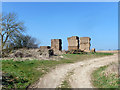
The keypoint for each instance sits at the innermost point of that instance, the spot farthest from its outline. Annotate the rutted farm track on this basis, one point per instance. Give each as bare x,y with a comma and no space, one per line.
81,75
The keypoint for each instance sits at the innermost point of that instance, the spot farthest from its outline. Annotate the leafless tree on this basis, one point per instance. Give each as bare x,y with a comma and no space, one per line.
10,28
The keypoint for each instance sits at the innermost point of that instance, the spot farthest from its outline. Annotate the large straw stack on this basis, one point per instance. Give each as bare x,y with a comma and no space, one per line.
56,44
73,43
85,43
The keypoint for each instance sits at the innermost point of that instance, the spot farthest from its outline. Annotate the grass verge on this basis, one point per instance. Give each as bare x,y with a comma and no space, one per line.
101,80
21,74
65,83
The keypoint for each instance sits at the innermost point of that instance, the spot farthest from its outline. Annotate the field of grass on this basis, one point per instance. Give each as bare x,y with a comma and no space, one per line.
100,80
21,74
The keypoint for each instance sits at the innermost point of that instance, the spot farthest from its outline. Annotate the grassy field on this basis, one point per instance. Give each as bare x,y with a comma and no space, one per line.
21,74
101,80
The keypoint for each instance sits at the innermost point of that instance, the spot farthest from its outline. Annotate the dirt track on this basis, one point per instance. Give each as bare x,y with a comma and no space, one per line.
81,77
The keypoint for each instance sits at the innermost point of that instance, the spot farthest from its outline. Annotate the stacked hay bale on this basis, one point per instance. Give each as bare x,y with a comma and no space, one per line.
85,44
56,45
45,47
73,43
92,50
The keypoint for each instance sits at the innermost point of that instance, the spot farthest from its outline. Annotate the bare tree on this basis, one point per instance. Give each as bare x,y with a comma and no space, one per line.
24,41
11,28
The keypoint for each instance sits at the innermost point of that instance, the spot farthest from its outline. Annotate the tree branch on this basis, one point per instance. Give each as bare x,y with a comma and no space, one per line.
5,40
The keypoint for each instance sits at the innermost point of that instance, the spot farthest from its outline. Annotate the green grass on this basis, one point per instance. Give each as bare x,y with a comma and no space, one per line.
65,83
21,74
100,80
79,57
102,54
